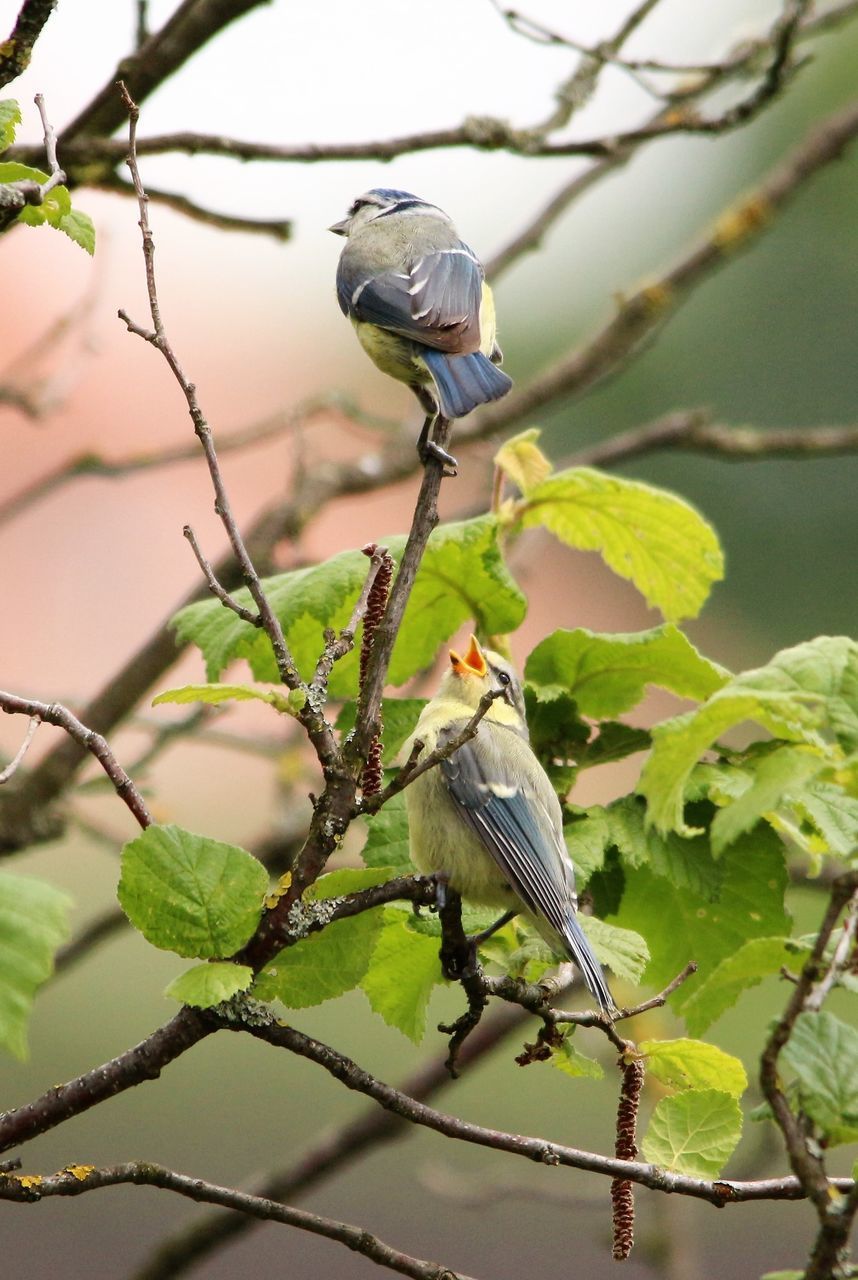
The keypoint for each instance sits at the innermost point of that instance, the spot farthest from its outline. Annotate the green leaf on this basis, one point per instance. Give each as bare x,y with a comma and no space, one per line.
331,962
693,1064
823,1053
388,843
404,969
833,814
289,702
649,536
774,776
462,577
783,1275
614,741
190,894
557,731
803,691
608,674
10,118
399,716
745,967
687,863
522,461
33,923
694,1132
682,924
623,950
571,1062
79,227
208,984
12,171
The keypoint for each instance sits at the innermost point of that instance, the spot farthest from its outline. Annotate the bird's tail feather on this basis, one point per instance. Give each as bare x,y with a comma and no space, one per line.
463,382
582,953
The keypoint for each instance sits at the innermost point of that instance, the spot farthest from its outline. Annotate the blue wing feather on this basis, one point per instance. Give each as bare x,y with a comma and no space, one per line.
515,826
436,302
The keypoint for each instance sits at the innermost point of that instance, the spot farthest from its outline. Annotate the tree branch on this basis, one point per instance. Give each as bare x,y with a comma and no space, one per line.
718,1192
79,1179
647,310
191,26
88,740
145,1061
17,49
331,1154
835,1214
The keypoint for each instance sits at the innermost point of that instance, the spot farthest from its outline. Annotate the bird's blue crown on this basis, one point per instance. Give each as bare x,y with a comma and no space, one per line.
388,193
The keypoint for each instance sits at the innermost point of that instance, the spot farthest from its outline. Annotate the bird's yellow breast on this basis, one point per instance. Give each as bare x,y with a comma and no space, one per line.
392,354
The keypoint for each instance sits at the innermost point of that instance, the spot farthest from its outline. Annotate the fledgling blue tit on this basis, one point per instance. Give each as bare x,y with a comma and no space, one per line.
417,297
488,818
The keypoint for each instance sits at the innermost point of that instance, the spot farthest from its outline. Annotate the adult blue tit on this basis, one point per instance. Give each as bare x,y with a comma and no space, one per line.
488,819
417,297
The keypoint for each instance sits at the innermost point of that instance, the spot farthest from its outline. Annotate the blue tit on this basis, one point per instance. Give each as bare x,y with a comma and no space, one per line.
488,819
417,297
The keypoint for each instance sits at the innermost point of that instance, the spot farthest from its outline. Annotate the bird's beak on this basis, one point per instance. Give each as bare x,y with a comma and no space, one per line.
340,228
473,663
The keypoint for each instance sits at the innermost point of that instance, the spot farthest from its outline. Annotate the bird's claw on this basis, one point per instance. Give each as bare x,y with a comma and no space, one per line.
429,451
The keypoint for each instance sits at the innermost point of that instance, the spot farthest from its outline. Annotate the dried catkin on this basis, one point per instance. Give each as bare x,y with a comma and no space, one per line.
622,1191
371,775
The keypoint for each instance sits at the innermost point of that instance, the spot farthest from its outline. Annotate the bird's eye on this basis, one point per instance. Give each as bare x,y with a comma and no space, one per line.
358,204
503,677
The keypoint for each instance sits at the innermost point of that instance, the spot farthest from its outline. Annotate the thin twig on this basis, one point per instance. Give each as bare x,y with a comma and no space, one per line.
94,743
228,601
804,1157
337,646
423,522
414,767
840,960
57,176
158,338
13,765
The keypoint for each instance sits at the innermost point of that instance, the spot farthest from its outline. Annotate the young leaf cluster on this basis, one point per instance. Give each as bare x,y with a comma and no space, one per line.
56,208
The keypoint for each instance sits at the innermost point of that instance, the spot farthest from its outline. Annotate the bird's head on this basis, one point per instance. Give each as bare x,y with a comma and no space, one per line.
382,202
482,671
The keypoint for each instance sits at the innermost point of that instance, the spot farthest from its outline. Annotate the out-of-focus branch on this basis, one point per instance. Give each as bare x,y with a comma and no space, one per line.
83,141
331,1154
79,1179
640,315
14,764
17,49
97,466
692,430
191,26
279,228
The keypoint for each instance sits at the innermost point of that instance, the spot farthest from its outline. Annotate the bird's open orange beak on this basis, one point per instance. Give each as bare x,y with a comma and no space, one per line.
473,663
